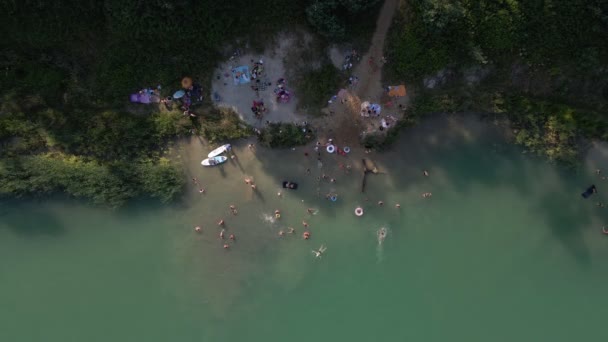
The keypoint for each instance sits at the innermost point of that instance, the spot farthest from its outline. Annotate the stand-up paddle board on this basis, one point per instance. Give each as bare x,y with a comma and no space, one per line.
214,161
219,151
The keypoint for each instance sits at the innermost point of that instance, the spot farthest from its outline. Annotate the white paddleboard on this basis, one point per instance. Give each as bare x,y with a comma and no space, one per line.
219,151
214,161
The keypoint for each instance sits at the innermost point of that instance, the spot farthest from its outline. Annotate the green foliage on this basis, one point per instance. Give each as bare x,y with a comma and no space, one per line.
433,34
107,184
384,140
336,18
315,87
219,125
160,178
285,135
552,129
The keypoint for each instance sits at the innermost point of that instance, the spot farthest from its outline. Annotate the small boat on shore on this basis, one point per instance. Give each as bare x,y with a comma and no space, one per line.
219,151
214,161
290,185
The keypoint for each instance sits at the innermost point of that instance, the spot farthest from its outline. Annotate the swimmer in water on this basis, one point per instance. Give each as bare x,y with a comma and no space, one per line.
221,223
306,235
290,230
305,224
310,211
232,237
281,232
253,186
194,180
380,203
201,190
333,180
222,233
197,229
381,235
319,252
226,246
426,173
397,205
247,181
279,194
604,230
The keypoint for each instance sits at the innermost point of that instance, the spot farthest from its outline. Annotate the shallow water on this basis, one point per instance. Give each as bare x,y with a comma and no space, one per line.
504,250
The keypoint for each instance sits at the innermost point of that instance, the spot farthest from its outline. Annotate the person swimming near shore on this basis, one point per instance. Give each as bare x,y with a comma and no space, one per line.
310,211
397,205
305,224
232,237
604,230
380,203
427,194
281,233
221,223
194,180
233,210
280,194
307,171
426,173
202,190
319,252
306,235
222,233
381,235
247,181
198,229
290,230
253,186
333,180
226,246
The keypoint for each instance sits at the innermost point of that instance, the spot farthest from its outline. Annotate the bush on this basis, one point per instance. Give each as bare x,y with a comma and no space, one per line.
105,184
218,125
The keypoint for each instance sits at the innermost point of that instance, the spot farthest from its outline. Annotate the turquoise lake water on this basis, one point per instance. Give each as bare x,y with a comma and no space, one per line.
504,250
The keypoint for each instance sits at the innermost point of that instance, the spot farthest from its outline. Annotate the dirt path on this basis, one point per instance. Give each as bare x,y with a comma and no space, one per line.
344,123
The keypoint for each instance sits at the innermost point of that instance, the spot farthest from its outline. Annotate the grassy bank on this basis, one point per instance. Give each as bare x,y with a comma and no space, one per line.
541,65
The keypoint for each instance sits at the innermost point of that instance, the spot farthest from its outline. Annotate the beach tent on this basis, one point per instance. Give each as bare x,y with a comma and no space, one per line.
396,91
240,75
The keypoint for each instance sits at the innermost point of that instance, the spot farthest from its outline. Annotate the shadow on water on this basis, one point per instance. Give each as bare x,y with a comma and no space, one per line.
259,195
236,161
567,221
24,219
